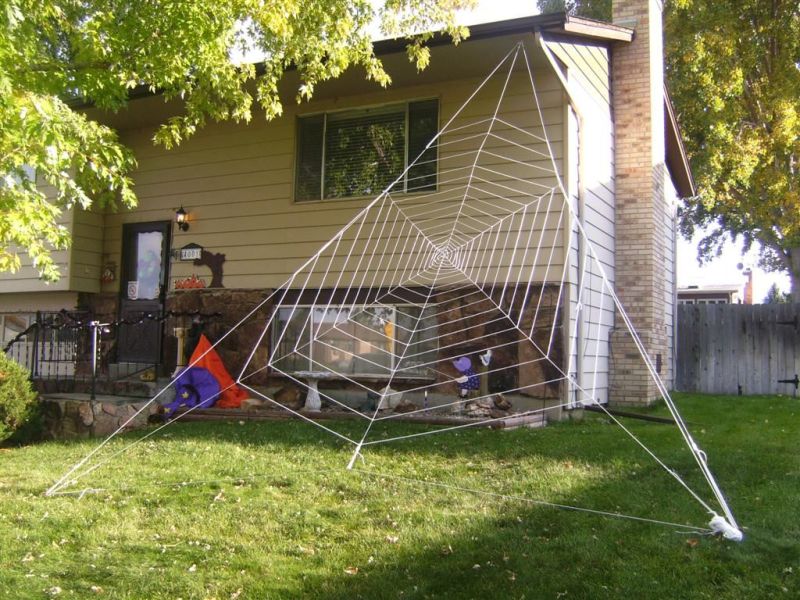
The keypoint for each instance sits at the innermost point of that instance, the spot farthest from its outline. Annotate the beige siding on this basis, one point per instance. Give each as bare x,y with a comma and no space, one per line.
79,265
26,279
30,302
87,251
586,75
236,182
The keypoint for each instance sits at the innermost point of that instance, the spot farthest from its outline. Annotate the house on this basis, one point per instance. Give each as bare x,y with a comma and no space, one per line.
710,294
719,294
257,200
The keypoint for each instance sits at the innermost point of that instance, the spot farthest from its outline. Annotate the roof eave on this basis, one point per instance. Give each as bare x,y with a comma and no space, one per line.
554,22
597,29
677,160
481,31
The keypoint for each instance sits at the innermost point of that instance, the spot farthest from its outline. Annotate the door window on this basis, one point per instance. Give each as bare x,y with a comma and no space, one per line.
146,281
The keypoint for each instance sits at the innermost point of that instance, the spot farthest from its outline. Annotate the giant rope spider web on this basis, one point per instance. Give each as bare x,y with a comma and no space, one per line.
466,250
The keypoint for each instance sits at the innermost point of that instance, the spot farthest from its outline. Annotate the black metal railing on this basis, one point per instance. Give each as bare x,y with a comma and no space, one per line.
59,349
49,347
75,351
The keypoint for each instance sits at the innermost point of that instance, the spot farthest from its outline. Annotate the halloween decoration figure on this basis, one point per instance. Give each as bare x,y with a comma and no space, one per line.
213,261
468,381
388,331
194,386
206,356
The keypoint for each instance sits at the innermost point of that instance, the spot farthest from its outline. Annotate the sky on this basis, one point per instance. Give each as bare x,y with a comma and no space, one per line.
498,10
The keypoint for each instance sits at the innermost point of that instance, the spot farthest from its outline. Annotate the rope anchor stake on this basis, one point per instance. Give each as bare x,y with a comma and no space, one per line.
720,525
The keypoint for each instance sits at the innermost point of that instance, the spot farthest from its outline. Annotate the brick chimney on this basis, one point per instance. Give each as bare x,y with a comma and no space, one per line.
748,286
637,80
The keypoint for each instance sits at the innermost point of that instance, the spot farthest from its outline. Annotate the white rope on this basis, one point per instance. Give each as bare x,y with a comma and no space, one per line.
60,482
632,330
681,526
394,370
475,259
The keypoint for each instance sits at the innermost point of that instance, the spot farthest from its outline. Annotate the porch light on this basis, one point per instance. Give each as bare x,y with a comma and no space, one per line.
181,219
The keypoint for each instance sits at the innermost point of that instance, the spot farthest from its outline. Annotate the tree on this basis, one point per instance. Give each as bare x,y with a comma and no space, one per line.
58,55
733,72
599,10
775,295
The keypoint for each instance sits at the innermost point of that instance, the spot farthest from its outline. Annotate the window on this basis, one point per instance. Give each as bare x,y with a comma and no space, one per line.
355,341
12,325
360,152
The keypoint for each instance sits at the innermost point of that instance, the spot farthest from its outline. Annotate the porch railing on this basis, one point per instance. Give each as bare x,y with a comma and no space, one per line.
61,349
69,351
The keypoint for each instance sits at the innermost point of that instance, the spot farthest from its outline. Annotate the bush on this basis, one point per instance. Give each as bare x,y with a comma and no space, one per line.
17,398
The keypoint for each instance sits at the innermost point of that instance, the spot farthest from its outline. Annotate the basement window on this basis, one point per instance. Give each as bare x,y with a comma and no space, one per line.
354,153
360,341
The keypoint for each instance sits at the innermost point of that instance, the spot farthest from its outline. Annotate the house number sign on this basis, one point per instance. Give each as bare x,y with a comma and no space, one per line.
190,252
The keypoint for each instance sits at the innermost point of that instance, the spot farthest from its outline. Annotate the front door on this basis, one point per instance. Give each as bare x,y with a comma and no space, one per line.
145,261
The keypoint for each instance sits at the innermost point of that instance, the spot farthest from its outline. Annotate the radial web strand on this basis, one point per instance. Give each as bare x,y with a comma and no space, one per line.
475,251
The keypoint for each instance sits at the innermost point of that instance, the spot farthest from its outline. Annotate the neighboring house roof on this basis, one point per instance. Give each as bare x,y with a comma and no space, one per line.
709,289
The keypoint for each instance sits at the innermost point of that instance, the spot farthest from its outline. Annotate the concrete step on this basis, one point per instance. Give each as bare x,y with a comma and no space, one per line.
126,370
122,387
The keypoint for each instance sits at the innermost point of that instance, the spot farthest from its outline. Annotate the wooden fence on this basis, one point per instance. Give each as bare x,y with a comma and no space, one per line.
738,348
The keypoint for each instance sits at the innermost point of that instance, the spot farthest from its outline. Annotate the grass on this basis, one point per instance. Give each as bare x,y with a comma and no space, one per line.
267,510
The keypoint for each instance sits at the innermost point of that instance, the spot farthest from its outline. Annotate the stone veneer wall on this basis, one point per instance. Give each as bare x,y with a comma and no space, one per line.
638,89
233,305
234,349
66,418
511,348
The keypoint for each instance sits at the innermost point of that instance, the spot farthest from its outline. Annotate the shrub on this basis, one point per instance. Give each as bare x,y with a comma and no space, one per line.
17,398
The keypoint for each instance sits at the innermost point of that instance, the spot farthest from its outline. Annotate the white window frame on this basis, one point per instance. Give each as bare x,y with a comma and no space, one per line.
406,158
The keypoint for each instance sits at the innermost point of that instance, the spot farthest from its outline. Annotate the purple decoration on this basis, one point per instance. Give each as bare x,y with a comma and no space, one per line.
463,364
194,387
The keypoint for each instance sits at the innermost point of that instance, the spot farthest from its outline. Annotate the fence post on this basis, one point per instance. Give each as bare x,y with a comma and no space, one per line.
93,325
35,349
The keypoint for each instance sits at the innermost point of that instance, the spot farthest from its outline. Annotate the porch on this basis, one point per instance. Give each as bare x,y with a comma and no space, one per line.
77,415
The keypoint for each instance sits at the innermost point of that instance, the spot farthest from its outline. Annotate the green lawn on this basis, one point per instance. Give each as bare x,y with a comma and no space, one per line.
267,510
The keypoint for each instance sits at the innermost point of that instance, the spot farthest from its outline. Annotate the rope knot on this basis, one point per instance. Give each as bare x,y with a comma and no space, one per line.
719,525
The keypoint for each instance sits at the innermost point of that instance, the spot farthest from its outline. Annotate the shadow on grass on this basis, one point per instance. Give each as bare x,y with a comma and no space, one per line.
505,548
592,441
511,550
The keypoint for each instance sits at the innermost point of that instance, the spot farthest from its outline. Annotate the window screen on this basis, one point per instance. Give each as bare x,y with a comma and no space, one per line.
361,152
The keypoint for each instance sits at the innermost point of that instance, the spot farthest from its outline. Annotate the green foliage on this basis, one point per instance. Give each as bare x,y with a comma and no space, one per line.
17,398
733,72
776,296
57,54
599,10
